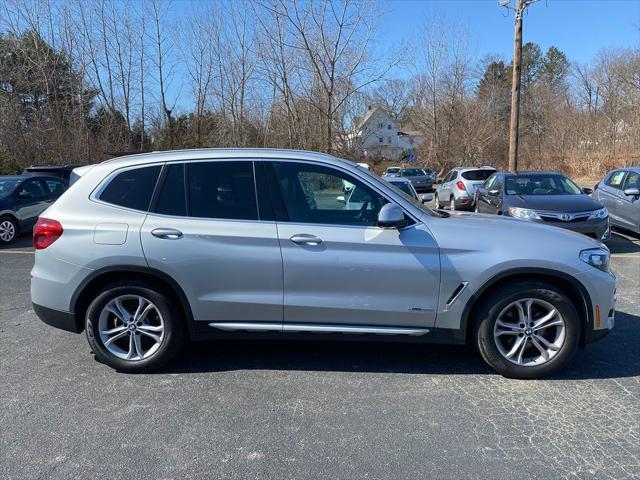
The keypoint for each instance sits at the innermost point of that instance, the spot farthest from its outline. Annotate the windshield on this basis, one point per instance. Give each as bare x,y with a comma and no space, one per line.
541,185
405,187
7,186
412,172
477,174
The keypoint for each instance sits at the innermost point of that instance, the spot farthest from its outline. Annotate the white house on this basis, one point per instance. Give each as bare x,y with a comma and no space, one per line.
379,135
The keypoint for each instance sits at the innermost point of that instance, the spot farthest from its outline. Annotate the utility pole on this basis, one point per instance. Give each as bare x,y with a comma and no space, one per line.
521,6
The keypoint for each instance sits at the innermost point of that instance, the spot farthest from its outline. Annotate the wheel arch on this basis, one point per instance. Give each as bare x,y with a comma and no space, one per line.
567,284
102,277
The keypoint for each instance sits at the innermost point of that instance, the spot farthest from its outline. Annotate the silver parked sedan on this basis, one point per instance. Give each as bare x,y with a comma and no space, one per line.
619,192
148,251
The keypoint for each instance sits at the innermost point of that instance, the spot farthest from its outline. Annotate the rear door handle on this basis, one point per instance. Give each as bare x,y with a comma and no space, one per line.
306,239
167,233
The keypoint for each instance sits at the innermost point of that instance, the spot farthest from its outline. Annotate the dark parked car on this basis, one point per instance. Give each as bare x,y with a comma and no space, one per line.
619,191
421,180
22,199
551,198
62,171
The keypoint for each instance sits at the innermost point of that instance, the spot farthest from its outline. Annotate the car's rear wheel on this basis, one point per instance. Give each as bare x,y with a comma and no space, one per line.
452,204
8,230
528,330
134,327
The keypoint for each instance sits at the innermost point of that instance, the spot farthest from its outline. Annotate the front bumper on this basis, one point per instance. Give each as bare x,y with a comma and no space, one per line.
422,187
601,288
55,318
597,228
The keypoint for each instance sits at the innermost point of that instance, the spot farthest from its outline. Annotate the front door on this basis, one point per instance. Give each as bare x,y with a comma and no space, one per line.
339,267
629,211
31,201
212,240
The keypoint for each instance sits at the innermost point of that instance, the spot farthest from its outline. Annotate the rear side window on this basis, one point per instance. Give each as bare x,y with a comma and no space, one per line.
56,187
222,190
132,188
475,175
172,199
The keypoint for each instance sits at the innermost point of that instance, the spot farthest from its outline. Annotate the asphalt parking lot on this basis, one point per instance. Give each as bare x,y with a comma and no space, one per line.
311,409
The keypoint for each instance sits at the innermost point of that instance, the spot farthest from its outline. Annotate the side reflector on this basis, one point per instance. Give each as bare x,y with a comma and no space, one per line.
597,316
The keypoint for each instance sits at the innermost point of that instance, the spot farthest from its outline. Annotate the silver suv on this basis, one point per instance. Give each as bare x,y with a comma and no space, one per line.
148,251
458,187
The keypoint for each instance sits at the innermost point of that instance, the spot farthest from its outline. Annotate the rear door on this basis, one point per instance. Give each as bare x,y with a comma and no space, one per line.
206,232
31,200
629,206
339,267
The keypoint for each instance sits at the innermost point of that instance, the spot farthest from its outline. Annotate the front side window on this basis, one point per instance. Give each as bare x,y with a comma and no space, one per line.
632,181
223,190
32,189
314,194
615,179
132,188
488,185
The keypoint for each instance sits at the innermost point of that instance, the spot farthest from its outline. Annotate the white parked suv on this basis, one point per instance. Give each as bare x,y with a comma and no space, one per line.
148,251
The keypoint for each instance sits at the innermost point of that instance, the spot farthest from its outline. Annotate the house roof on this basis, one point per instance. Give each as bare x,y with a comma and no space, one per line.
360,121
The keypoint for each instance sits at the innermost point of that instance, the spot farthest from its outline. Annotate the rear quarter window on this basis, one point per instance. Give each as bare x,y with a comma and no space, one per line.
132,188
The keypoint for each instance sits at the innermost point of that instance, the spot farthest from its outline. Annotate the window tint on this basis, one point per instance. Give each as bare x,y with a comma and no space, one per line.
33,189
314,194
490,182
222,190
477,174
172,198
132,188
615,179
56,187
632,181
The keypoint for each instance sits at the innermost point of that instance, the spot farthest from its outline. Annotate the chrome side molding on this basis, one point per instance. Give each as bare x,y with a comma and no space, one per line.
316,328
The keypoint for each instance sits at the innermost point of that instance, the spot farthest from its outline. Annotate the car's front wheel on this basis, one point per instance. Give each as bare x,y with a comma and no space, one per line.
437,202
134,327
527,330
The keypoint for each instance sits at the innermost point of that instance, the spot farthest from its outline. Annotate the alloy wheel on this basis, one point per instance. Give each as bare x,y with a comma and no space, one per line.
131,327
529,332
7,230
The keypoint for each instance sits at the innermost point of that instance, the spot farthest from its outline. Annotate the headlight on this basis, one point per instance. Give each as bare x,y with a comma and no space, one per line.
524,213
601,213
596,257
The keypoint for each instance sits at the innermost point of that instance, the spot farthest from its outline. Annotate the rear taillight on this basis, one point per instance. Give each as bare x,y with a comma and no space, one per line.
460,186
45,232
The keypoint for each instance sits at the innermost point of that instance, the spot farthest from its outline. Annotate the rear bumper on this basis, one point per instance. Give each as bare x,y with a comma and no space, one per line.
55,318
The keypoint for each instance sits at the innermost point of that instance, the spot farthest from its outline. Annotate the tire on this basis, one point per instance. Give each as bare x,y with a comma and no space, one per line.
8,230
493,349
452,204
151,343
475,208
437,201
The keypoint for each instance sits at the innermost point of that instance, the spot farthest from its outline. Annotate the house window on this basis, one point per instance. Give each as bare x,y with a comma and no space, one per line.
380,125
389,127
389,139
380,139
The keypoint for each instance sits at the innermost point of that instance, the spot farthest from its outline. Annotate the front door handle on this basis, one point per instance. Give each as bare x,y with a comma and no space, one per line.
306,239
167,233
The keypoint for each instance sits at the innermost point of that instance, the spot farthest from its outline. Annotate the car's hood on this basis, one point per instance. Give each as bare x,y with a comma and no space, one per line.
554,203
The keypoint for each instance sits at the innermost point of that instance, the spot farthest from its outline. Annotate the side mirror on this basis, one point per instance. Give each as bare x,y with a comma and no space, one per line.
494,192
635,192
341,199
391,216
426,198
587,190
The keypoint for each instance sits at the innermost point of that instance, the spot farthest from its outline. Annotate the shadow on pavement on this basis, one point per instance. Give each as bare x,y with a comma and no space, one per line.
623,241
617,355
22,242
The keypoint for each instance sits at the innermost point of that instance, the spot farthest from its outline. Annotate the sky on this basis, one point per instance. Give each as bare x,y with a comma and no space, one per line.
580,28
